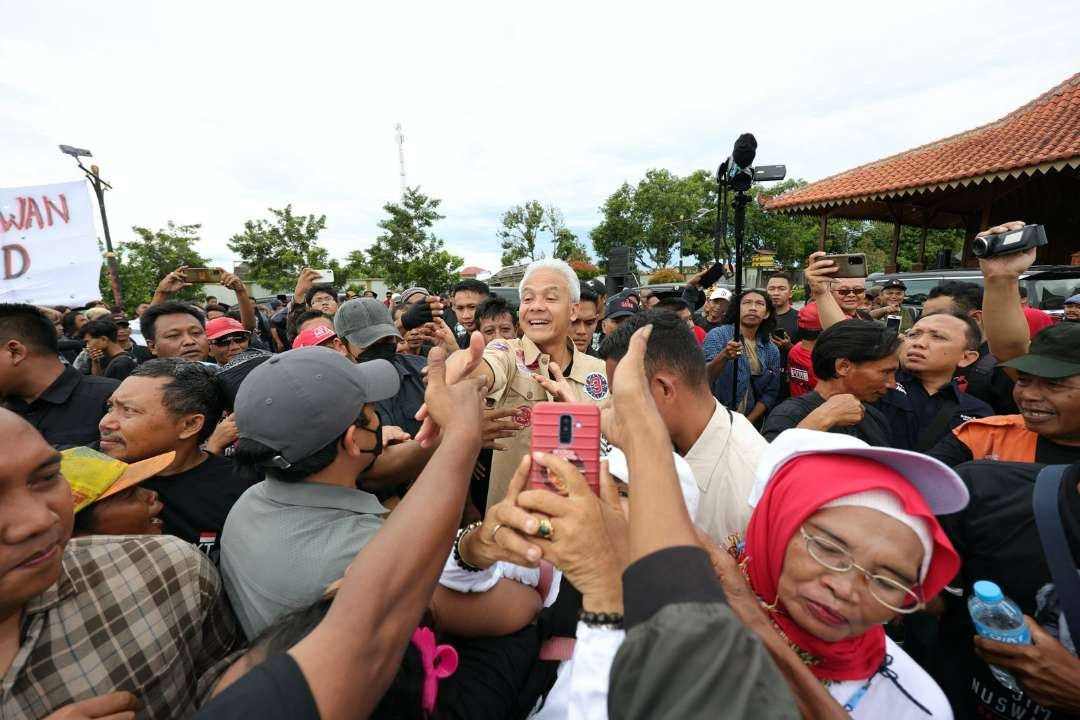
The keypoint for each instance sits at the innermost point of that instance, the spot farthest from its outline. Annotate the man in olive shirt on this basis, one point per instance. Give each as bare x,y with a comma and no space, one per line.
543,365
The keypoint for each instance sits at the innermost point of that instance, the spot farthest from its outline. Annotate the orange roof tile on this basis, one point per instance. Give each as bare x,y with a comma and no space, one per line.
1044,133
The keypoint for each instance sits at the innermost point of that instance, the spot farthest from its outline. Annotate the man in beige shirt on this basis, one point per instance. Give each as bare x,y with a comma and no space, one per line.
721,447
543,365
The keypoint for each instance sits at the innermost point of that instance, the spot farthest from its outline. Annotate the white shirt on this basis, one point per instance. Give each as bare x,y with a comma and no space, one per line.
595,651
723,460
883,699
578,695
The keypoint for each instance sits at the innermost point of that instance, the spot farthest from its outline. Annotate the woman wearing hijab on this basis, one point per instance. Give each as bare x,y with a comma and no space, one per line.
842,540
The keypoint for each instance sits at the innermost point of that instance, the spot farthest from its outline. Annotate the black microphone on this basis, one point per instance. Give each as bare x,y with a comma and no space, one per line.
745,150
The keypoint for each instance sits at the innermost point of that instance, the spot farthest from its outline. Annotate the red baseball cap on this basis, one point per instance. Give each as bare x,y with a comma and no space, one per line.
314,335
808,317
222,326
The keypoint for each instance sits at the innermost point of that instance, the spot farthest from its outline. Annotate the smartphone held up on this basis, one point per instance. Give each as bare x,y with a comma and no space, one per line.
848,265
202,276
570,431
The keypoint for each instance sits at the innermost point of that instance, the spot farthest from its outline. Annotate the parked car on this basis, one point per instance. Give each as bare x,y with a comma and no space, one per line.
509,294
662,290
1047,285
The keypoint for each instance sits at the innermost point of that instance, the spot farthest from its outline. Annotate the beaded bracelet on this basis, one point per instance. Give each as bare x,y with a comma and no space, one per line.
612,621
457,547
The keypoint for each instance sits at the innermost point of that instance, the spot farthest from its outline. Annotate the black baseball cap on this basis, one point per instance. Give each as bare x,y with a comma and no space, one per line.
618,307
895,283
1054,353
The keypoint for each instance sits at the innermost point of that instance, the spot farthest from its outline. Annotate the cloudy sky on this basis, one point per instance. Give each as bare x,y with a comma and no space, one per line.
212,112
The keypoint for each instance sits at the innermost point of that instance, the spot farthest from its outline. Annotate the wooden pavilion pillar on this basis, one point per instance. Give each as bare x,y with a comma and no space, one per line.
891,266
824,230
966,258
920,265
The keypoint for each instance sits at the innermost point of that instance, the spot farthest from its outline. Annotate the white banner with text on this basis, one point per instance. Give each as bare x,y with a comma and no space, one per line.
48,245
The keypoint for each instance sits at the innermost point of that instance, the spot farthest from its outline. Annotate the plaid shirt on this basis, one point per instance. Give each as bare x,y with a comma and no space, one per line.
145,614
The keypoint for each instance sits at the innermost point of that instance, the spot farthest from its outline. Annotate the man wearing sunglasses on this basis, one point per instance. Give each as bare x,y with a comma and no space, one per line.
227,338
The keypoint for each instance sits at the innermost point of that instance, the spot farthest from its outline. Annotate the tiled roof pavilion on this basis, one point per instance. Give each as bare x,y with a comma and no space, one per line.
1024,166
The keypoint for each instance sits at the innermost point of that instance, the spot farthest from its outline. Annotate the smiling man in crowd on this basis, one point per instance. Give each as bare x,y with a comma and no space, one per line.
82,618
543,365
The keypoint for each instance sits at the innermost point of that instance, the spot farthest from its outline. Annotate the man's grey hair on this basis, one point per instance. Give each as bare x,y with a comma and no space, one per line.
555,265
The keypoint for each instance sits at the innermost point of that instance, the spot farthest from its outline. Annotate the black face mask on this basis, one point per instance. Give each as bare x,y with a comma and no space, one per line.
382,351
375,451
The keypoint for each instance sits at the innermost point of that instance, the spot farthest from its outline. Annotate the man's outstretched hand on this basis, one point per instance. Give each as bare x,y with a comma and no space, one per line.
450,374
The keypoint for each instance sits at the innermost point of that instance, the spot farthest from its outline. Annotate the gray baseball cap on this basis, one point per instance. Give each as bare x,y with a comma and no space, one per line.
364,321
302,400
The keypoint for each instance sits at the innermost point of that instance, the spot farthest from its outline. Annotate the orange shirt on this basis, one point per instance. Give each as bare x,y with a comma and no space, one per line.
999,437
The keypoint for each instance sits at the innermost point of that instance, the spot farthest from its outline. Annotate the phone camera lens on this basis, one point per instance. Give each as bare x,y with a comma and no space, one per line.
566,429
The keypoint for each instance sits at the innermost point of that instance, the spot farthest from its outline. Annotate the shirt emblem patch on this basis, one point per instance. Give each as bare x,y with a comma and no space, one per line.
596,386
523,416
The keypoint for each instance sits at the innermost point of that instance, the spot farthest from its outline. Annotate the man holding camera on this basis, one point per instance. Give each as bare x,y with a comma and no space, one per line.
1046,370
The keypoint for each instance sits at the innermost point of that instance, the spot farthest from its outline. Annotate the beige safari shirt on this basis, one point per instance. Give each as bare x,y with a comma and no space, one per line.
513,362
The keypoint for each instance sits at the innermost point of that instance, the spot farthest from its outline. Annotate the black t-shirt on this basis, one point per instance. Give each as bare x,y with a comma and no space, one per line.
141,353
705,324
952,452
872,429
198,500
789,322
997,539
275,689
120,366
401,409
910,410
67,413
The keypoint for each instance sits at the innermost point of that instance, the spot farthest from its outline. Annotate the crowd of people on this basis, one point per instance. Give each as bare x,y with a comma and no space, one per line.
321,506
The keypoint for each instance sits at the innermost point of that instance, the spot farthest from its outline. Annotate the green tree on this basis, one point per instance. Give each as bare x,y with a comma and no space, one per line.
357,265
277,250
521,225
662,216
619,226
407,252
150,256
568,247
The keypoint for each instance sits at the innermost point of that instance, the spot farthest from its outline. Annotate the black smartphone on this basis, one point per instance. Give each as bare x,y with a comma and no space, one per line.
711,276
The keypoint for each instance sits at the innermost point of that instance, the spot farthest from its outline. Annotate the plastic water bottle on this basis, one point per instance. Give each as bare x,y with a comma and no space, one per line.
996,617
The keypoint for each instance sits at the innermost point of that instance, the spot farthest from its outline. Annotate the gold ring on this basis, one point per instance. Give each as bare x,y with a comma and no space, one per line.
495,531
545,529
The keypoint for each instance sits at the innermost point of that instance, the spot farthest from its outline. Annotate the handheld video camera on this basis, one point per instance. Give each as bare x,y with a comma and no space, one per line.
1006,243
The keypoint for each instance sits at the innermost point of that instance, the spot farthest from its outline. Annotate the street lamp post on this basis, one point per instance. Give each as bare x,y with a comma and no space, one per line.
94,176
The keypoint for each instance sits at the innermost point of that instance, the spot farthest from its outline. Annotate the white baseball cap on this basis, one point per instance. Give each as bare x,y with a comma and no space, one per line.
942,488
720,294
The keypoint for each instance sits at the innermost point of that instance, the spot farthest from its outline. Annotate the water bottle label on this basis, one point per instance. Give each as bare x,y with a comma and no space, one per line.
1020,636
